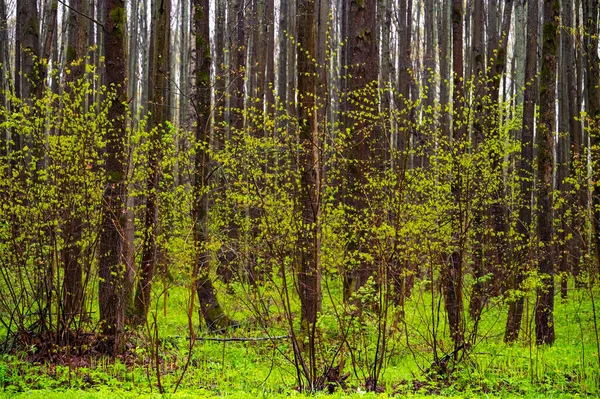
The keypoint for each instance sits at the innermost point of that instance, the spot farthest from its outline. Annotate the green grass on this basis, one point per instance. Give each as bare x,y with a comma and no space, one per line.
260,369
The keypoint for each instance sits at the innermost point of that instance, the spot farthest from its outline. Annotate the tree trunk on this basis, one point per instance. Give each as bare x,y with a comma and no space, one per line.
77,41
4,73
515,311
111,245
479,290
544,311
452,274
27,73
309,277
210,308
592,87
159,82
567,241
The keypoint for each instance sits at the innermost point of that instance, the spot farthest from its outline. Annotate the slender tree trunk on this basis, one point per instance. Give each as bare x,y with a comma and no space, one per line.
544,311
592,87
445,68
453,273
77,41
309,277
515,311
5,73
567,242
158,108
111,246
210,308
479,291
573,58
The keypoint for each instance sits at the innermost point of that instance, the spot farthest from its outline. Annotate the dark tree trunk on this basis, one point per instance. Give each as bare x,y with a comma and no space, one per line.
159,82
592,87
27,74
567,241
452,274
111,246
309,276
573,58
544,311
4,73
77,41
210,308
479,290
523,256
367,154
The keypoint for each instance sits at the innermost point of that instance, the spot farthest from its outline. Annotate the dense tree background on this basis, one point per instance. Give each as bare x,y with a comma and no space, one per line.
353,160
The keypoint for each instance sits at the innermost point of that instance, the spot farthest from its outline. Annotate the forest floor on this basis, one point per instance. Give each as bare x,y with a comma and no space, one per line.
262,368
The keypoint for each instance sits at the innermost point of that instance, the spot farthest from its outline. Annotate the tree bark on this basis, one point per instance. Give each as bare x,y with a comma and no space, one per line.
111,245
210,308
452,274
158,107
309,275
77,41
544,311
523,256
592,87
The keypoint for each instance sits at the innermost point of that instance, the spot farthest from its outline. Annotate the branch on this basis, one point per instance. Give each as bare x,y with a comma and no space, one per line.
242,339
83,15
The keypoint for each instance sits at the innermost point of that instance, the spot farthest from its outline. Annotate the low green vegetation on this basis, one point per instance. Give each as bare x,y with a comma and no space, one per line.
262,368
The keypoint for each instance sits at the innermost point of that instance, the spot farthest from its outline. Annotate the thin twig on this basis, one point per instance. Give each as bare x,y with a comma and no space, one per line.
83,15
242,339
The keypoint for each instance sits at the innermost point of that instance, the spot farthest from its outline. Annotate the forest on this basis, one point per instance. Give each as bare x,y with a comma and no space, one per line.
312,197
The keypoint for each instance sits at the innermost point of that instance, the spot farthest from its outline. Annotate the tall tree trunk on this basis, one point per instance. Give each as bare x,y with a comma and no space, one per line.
573,58
309,191
567,242
479,291
309,277
4,73
77,40
515,311
452,275
160,59
592,87
210,308
111,245
544,311
367,151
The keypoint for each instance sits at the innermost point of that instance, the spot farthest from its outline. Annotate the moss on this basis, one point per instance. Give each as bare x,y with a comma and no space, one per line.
117,15
71,54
